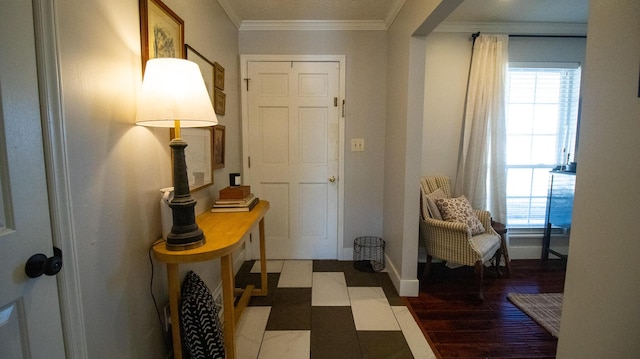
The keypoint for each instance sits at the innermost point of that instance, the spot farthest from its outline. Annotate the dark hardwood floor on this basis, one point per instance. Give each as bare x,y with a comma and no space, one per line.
458,325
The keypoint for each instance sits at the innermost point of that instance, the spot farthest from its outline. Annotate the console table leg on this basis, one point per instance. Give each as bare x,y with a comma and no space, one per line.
226,264
174,298
264,289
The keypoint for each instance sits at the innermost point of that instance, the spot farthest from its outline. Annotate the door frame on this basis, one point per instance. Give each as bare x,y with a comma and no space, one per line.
57,173
342,60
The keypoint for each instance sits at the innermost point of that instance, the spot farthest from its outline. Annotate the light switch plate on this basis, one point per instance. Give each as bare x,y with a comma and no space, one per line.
357,145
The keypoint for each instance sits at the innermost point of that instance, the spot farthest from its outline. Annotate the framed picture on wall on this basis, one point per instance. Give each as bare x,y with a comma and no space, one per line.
198,155
219,76
161,31
218,146
219,102
206,67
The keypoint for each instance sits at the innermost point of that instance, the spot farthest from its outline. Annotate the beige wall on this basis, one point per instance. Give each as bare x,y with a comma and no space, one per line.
600,317
117,168
366,58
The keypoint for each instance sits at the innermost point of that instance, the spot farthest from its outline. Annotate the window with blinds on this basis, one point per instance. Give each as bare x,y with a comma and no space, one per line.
542,115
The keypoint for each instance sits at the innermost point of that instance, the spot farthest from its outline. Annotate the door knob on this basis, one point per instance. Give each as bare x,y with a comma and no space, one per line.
332,179
39,264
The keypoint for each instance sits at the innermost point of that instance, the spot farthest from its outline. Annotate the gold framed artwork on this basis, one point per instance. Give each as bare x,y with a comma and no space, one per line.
218,146
206,67
161,31
219,101
198,155
219,76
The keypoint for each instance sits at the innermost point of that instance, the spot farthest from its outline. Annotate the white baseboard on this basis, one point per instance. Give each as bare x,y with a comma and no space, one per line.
405,287
217,301
523,247
347,254
533,252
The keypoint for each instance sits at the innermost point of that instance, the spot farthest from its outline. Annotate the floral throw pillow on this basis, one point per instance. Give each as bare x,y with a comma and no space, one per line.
459,210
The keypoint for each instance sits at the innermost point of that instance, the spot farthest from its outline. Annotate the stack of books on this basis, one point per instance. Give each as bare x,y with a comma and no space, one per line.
235,199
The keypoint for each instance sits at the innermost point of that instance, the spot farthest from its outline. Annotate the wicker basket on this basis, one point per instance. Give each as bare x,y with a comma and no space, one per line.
368,254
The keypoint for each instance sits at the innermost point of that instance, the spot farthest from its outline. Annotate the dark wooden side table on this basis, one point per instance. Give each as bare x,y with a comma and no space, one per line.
501,229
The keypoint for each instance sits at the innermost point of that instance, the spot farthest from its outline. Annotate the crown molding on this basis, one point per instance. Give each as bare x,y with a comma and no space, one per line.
516,28
393,12
274,25
228,9
512,28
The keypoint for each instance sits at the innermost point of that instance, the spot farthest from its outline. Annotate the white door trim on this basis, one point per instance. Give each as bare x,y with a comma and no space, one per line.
57,171
244,60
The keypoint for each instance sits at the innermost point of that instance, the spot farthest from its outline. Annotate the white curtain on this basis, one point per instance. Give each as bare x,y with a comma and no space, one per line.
481,173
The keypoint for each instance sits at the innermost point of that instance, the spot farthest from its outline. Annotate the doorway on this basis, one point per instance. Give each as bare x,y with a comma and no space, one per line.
293,128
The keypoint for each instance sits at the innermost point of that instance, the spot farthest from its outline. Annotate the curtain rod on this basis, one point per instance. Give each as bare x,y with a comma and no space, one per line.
474,36
568,36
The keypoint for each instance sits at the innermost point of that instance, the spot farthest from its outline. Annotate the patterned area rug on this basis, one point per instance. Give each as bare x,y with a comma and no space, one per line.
545,309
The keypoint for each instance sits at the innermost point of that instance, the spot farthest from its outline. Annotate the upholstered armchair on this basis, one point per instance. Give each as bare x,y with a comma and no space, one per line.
452,240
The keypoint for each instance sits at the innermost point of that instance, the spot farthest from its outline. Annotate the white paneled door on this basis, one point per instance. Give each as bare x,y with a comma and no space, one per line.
293,125
30,325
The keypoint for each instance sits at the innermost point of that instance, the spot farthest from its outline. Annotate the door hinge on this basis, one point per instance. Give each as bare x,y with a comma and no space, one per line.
249,161
335,102
247,81
343,108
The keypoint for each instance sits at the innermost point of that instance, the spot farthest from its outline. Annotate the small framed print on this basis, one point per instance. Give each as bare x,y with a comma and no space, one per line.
219,102
218,76
218,146
161,31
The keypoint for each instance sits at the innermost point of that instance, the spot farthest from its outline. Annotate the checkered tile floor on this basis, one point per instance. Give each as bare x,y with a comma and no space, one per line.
325,309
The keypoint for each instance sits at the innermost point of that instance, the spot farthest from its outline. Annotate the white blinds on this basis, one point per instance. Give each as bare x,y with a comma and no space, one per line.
543,99
542,105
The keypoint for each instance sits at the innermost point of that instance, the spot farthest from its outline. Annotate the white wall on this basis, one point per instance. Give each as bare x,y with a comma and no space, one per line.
447,69
403,137
117,168
547,49
600,317
366,70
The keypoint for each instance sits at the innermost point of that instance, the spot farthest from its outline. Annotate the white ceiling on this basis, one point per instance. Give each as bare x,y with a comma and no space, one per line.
541,11
312,9
379,14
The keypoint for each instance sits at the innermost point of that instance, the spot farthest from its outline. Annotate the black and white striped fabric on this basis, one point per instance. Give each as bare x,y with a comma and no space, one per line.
201,331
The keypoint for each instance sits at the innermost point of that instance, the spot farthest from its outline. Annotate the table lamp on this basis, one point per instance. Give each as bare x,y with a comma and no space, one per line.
174,95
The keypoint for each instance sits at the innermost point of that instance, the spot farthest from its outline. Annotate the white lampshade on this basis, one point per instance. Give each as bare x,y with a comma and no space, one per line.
173,89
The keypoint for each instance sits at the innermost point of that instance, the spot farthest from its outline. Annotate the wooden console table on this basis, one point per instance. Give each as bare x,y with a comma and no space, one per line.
224,233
